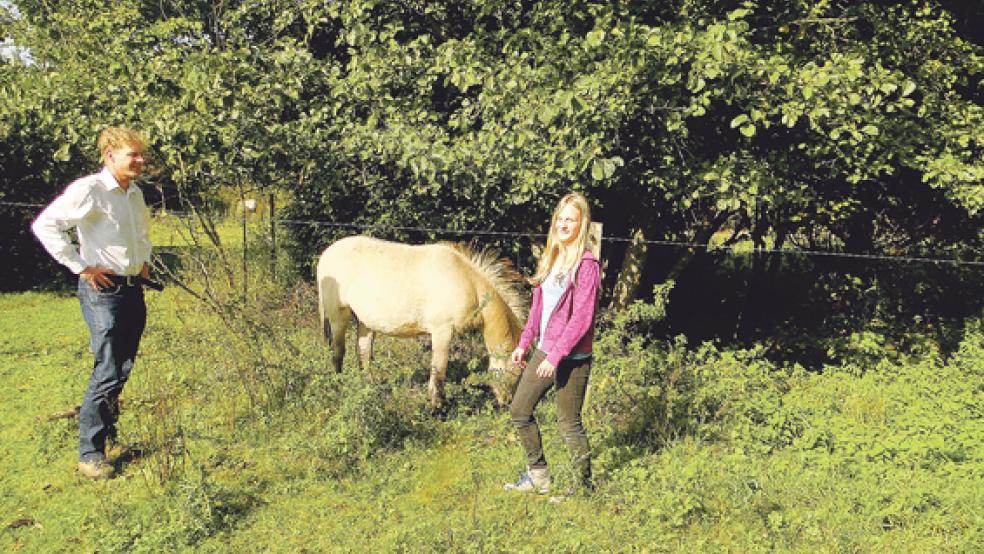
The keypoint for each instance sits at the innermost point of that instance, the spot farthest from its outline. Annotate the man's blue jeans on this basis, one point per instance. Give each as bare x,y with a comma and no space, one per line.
116,317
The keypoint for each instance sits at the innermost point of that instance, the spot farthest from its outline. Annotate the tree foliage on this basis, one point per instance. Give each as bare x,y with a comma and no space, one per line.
839,125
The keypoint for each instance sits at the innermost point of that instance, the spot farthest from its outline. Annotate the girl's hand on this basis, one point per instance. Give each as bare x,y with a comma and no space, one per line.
545,370
516,358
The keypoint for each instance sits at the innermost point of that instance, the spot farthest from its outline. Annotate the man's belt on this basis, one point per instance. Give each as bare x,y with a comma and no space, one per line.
134,280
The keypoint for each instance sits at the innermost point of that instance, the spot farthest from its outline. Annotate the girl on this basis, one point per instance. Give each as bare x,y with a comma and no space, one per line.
561,319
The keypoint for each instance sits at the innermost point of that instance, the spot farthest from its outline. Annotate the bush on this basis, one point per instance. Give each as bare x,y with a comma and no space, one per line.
645,393
184,514
361,420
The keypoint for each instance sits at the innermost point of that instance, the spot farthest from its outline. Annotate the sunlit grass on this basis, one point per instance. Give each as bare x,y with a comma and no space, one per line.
172,230
277,453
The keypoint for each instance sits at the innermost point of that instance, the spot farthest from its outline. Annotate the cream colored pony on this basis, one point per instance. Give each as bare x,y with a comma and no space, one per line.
403,290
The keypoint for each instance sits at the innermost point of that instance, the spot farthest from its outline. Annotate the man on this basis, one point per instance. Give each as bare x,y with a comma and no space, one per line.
112,221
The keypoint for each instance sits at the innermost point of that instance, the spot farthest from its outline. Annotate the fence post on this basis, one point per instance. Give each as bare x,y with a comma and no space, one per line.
594,238
273,235
631,274
242,205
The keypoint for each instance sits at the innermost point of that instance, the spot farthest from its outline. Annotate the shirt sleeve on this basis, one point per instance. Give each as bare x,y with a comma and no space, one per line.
53,224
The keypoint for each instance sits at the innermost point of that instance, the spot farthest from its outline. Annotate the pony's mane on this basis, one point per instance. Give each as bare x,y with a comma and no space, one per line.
500,273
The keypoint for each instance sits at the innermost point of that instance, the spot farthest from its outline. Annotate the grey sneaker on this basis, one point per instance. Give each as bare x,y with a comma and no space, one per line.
558,498
533,480
97,469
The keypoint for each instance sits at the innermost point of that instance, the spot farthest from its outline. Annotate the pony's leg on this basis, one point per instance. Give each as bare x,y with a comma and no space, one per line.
334,318
338,320
365,344
440,345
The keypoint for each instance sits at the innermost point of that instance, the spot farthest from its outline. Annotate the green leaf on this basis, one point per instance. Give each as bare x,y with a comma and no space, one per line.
748,130
63,154
908,88
595,38
609,167
870,130
597,170
738,120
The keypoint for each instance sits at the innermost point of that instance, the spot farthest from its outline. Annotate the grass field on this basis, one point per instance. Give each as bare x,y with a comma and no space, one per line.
254,448
170,230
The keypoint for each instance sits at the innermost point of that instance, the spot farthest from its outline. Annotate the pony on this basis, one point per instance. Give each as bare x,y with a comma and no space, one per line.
406,290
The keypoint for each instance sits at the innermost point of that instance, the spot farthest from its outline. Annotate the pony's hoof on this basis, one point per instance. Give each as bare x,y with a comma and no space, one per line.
440,408
440,411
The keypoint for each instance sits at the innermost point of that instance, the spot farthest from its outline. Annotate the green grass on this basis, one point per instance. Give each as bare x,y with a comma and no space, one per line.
168,230
257,449
42,341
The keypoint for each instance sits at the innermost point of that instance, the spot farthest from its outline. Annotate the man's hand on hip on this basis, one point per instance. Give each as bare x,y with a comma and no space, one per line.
97,276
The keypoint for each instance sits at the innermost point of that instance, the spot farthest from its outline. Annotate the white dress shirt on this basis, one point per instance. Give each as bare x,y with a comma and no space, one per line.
113,225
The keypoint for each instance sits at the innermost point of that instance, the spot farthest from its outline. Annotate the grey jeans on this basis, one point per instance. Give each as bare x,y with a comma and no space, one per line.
571,380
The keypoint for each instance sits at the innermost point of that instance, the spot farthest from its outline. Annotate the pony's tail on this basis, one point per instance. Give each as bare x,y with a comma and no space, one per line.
323,292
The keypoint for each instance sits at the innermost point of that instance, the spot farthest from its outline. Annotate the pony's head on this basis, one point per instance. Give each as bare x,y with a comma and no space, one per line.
501,308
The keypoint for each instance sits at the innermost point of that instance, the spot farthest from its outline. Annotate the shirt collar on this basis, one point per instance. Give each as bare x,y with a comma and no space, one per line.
111,183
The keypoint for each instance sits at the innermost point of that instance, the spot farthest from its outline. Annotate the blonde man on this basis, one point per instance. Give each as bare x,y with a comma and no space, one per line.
108,213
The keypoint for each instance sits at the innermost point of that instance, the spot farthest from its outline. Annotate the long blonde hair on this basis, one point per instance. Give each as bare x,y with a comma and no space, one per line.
555,252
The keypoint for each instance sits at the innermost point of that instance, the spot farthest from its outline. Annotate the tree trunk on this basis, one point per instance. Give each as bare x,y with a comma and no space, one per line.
630,275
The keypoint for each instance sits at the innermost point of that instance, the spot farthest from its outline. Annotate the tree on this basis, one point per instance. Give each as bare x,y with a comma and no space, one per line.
828,125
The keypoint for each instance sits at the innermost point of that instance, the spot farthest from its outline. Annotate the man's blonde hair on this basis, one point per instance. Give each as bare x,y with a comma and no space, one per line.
113,138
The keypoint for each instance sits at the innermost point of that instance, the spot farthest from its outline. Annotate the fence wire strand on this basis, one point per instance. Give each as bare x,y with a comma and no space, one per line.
669,243
734,250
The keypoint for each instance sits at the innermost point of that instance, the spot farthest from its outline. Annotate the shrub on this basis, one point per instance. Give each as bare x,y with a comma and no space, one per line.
360,419
185,513
646,393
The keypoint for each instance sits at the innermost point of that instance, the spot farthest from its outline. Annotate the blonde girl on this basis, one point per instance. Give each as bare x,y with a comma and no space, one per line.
560,327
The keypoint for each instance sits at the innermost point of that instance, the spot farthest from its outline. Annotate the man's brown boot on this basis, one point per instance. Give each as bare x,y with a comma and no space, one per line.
97,469
116,450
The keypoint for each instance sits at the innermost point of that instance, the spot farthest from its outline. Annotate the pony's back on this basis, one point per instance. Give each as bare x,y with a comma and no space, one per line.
399,289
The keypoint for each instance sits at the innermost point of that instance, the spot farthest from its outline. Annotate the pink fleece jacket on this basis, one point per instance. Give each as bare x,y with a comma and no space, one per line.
570,328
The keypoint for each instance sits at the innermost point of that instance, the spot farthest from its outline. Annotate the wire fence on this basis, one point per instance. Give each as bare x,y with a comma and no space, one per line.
732,249
651,242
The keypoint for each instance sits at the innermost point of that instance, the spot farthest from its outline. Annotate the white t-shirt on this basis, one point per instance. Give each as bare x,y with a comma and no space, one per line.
551,289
